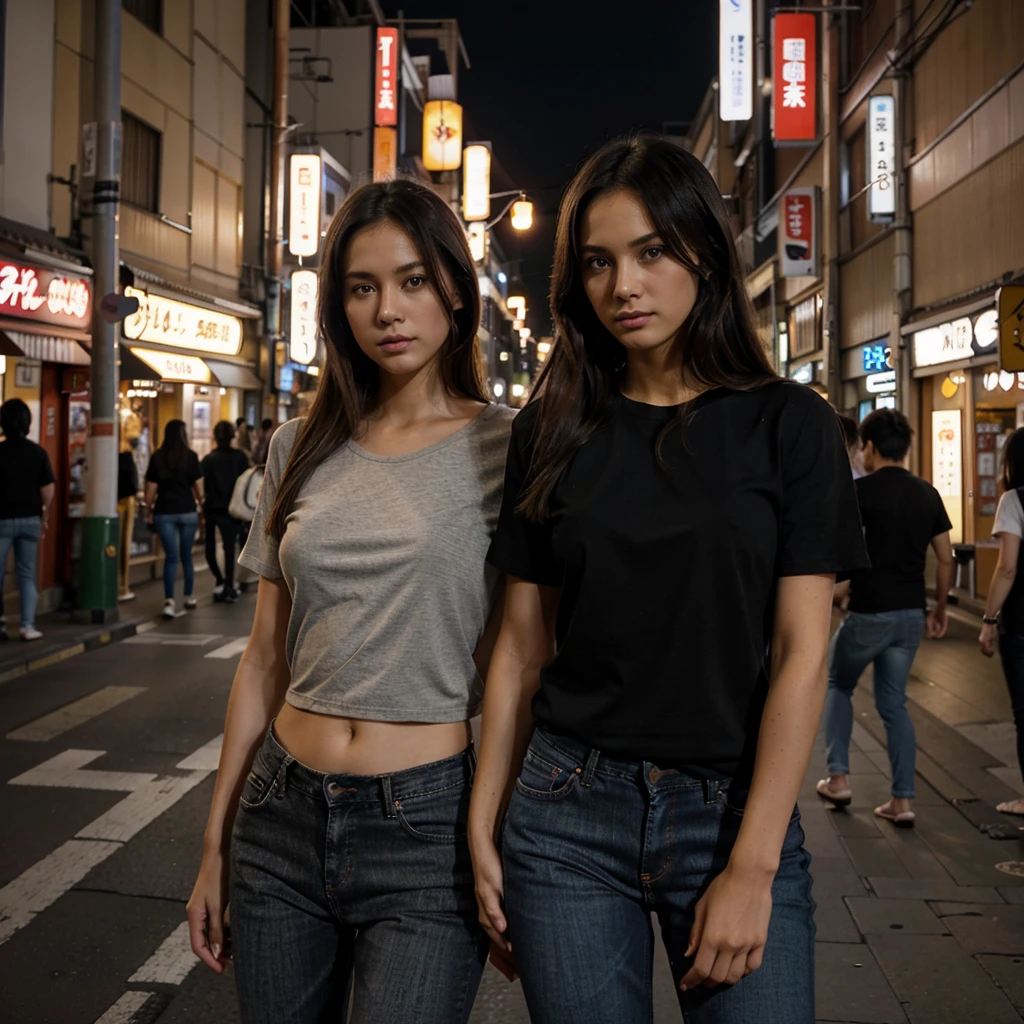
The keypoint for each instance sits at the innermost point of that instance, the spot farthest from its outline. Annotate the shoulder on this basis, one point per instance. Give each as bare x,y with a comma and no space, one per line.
496,421
1009,505
282,443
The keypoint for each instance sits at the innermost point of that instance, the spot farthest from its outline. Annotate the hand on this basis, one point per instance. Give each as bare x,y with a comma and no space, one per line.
987,640
208,920
938,623
505,961
490,890
730,928
46,526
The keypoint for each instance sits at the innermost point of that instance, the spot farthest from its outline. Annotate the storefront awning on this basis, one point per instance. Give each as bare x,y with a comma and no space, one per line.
45,348
149,364
234,375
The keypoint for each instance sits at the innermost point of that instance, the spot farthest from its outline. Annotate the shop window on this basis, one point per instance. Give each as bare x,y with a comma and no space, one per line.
140,164
149,12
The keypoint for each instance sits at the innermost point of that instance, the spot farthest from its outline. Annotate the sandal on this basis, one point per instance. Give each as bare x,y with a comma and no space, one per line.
1014,807
839,797
901,819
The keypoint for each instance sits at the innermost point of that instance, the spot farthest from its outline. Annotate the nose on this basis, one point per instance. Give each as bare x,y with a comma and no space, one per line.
627,284
388,312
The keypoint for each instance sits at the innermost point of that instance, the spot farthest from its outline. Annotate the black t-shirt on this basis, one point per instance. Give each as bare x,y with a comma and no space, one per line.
221,468
24,469
901,514
668,573
173,486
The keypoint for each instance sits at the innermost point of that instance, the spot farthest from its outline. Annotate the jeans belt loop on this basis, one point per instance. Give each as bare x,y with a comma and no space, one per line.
591,766
389,803
281,781
471,753
705,785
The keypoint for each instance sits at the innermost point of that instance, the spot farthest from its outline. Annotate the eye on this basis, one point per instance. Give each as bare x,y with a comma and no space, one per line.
362,289
416,281
596,263
652,252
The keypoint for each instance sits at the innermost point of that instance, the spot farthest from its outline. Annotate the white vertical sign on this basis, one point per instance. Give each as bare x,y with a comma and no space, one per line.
947,465
302,342
881,155
304,207
736,60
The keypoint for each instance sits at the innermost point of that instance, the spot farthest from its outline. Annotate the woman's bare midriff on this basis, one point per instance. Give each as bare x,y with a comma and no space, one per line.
354,746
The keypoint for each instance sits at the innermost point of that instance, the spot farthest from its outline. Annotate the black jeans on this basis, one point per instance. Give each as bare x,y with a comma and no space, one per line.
229,535
1011,653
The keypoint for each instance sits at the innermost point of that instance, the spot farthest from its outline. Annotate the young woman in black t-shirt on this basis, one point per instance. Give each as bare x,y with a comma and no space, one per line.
673,522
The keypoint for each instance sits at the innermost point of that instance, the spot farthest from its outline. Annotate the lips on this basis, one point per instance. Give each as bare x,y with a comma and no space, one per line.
632,319
395,343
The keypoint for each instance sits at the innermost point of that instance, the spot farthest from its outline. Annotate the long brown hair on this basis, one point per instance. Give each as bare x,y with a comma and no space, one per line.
350,380
721,347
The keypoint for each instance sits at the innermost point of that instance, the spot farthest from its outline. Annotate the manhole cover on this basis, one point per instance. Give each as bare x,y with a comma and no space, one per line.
1012,867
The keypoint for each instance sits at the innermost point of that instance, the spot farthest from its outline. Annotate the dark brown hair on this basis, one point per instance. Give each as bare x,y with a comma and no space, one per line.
1013,461
721,346
349,379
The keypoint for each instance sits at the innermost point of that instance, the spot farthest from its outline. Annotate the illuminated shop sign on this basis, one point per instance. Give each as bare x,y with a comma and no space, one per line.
385,103
795,81
881,383
304,204
442,135
44,295
881,157
476,182
303,340
956,340
170,322
798,233
175,367
736,60
876,358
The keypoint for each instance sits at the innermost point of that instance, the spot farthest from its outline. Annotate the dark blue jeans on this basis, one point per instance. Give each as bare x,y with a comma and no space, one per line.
591,846
177,535
1011,653
341,875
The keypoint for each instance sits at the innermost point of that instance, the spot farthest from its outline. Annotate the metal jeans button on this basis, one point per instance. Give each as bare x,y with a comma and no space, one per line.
654,775
333,788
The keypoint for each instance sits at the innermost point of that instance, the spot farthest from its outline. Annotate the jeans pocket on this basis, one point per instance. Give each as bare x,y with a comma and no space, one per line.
439,817
542,779
259,784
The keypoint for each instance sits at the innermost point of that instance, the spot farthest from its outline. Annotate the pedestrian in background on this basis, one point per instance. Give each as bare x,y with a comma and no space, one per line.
127,492
347,752
174,494
243,439
672,513
852,434
262,447
221,469
902,515
1004,610
26,492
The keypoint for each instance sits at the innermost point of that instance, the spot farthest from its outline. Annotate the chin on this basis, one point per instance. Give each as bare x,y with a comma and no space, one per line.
643,340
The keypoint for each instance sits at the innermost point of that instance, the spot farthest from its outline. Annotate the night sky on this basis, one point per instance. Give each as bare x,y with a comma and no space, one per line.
551,80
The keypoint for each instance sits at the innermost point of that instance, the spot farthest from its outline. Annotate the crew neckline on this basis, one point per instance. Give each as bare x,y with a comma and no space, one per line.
632,407
485,414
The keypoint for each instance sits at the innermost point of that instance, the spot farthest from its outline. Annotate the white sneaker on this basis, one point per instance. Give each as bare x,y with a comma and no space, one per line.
126,596
30,633
190,604
169,609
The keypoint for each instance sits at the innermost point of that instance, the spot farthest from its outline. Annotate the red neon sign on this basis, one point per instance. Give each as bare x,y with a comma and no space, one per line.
385,96
37,293
795,78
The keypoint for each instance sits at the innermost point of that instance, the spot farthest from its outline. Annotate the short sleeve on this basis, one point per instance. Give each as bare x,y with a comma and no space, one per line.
521,547
194,470
821,529
1009,516
942,523
46,476
261,550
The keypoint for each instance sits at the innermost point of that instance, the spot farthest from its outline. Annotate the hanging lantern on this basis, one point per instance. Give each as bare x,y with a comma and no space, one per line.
522,215
442,135
476,182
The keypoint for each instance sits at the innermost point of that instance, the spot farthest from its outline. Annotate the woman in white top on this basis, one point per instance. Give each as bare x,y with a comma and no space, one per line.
347,745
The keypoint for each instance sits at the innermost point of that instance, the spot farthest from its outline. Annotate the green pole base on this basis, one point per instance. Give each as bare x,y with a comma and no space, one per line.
97,568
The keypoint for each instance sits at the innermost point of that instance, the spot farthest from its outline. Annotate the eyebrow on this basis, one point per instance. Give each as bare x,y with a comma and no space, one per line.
403,269
642,240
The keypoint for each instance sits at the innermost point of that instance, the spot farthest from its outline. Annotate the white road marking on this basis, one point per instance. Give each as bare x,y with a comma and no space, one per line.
124,1010
205,759
46,881
145,627
231,649
70,716
67,770
187,640
170,964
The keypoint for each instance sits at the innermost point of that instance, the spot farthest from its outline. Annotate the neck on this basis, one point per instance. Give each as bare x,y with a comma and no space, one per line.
411,397
655,376
888,464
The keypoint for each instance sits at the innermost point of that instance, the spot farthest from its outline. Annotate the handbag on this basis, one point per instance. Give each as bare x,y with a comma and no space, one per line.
245,495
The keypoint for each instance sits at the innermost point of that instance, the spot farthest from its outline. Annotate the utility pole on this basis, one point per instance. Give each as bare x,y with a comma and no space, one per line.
830,209
97,585
275,233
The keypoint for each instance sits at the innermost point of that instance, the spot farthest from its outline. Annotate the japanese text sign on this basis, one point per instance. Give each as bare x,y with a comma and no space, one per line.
798,233
304,205
44,295
795,78
736,60
302,342
169,322
385,103
881,169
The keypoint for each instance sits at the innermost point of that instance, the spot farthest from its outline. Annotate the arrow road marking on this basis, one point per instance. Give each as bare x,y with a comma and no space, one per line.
70,716
66,770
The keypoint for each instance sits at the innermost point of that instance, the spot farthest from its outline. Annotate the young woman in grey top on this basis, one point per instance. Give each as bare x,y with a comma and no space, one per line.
347,865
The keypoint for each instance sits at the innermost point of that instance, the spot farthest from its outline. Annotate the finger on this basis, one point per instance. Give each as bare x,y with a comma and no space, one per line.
197,938
737,969
497,939
701,968
754,958
504,961
720,969
215,930
490,904
697,930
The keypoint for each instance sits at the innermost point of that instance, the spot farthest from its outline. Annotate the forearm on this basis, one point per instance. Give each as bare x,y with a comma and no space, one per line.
999,590
943,584
256,695
788,727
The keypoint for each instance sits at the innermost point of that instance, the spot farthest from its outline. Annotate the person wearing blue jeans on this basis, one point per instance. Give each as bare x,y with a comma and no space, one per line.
177,533
902,515
25,495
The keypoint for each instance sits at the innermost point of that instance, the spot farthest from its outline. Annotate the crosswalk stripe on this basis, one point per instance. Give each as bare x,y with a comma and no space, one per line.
231,649
205,759
124,1010
67,769
74,714
170,964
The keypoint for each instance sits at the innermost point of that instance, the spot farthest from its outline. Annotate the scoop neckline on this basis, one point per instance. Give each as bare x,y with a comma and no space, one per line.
632,407
485,414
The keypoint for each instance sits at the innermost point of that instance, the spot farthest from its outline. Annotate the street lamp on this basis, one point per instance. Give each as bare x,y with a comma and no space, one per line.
521,207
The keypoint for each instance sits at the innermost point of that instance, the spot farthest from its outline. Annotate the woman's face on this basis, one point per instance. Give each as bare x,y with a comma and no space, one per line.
639,292
393,309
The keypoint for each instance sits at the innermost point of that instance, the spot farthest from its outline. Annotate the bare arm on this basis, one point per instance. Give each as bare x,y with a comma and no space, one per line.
46,499
525,644
731,919
150,496
485,649
258,691
197,491
937,619
1003,577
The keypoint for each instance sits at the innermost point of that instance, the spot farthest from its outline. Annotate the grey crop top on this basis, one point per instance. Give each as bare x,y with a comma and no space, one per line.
384,557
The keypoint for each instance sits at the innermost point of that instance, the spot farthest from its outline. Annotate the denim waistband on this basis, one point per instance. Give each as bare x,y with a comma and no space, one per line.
590,761
286,772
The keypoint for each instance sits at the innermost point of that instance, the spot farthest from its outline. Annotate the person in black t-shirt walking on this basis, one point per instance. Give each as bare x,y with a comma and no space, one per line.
26,491
902,516
221,469
174,492
673,520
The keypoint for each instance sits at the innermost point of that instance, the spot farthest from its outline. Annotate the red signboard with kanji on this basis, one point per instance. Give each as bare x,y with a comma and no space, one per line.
795,78
44,295
385,97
